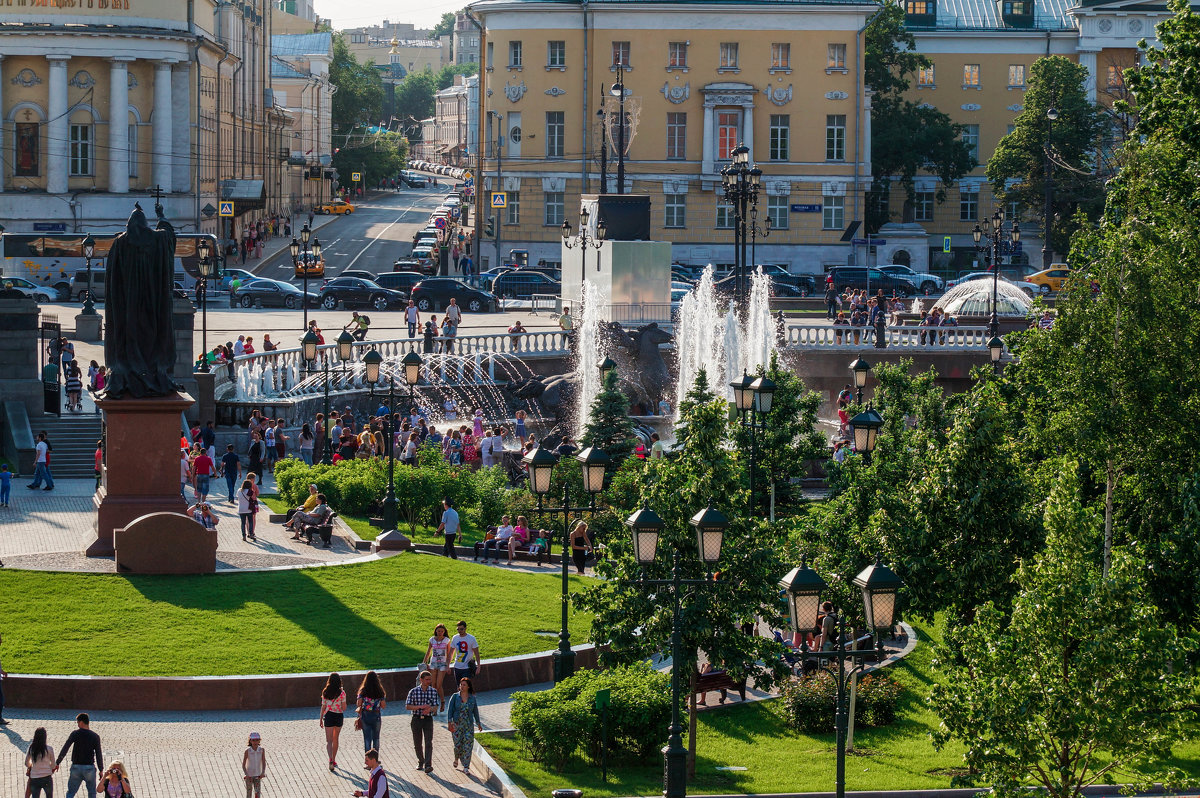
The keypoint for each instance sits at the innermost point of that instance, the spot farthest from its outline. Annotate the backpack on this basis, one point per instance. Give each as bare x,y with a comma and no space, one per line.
364,319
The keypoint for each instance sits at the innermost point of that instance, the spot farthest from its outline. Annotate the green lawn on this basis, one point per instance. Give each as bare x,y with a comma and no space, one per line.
779,760
363,528
377,614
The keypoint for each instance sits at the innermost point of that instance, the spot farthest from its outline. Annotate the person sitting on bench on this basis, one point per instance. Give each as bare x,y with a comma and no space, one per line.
307,523
499,542
309,505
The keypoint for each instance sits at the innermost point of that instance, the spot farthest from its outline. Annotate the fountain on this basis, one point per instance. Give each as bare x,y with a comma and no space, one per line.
974,298
590,352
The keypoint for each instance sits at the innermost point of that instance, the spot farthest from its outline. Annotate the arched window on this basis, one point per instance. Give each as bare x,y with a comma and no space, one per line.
902,257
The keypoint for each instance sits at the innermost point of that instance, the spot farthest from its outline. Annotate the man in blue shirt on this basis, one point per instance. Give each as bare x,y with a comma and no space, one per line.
449,528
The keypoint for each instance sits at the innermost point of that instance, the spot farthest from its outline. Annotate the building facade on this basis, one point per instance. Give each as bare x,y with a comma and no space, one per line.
782,76
300,73
456,122
466,39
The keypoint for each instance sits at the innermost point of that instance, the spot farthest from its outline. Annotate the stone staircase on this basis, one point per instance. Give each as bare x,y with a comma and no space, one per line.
73,440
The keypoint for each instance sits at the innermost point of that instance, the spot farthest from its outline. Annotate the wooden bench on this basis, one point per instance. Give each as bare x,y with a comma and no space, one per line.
718,680
323,531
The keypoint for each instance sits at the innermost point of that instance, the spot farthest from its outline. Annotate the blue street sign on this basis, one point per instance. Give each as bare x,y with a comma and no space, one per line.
862,242
945,243
806,208
50,227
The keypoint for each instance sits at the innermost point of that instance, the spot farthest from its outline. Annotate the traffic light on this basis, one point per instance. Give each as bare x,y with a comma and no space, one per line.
490,229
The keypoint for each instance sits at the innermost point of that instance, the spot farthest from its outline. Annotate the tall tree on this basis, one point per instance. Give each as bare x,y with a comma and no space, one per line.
1061,150
609,426
414,96
444,27
358,99
907,138
445,77
1085,684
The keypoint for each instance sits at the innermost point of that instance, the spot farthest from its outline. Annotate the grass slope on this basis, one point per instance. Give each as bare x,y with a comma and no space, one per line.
374,615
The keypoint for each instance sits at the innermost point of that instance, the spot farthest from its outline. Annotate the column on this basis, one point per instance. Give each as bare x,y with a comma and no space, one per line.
748,128
56,128
866,130
2,120
181,129
163,116
1087,58
118,126
706,155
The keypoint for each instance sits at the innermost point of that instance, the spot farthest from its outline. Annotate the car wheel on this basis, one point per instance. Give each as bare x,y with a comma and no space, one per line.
423,304
247,302
1028,293
330,302
475,306
289,302
380,303
929,285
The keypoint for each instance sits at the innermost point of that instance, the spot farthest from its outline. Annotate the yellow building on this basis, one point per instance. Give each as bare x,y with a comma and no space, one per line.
699,78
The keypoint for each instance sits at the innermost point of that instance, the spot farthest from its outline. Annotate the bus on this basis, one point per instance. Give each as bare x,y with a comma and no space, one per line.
55,259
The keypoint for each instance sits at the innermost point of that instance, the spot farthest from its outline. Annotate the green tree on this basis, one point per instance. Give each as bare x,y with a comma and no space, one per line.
445,78
906,138
609,426
445,26
376,154
1084,684
358,96
414,96
1017,169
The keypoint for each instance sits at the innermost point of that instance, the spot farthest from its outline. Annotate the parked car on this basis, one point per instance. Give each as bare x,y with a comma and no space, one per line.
1052,279
423,252
412,265
804,284
307,264
779,288
1030,289
228,276
41,293
486,278
357,291
360,273
272,294
336,207
414,180
401,281
79,285
524,283
922,280
862,278
435,293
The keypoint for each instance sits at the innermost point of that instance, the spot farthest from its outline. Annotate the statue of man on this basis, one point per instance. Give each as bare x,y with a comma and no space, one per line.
139,341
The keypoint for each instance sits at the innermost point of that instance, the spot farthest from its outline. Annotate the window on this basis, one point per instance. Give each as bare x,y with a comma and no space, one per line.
971,76
1018,8
556,133
920,8
833,212
777,212
923,206
970,137
677,55
724,215
556,55
835,137
925,77
555,207
728,132
81,150
781,56
968,203
675,210
514,208
1115,78
1013,209
1016,76
780,136
835,57
490,48
676,136
620,54
729,55
515,59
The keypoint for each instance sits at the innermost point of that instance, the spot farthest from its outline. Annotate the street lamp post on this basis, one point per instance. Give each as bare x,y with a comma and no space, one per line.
204,249
646,528
996,350
1048,188
755,232
412,373
753,397
89,249
860,369
345,350
583,241
540,463
297,247
740,183
618,90
879,586
992,247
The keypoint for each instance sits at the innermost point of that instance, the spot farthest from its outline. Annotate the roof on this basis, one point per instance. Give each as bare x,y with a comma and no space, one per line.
282,69
302,43
1048,15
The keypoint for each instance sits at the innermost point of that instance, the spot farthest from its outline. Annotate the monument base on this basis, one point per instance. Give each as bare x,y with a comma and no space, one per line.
87,327
166,543
141,464
395,540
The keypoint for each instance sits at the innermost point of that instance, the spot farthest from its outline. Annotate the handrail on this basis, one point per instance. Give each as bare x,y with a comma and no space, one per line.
800,336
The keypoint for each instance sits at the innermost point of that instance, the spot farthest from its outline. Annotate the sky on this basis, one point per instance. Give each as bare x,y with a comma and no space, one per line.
357,13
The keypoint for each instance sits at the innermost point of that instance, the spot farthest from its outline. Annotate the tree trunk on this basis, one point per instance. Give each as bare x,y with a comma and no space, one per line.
1108,517
691,760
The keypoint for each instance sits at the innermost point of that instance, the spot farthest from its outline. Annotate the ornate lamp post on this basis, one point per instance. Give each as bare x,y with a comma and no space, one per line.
646,528
204,249
860,369
992,247
1048,188
995,347
345,351
302,246
583,241
756,231
866,427
89,249
618,91
412,373
740,184
752,398
879,586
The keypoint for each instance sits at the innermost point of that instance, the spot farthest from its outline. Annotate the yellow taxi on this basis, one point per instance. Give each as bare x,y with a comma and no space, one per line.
338,206
1052,279
313,267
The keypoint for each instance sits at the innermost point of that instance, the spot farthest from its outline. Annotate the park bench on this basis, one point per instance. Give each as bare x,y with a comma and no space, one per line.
523,548
718,680
324,531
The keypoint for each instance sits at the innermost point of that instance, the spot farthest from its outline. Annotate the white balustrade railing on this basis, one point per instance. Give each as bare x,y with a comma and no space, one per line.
936,338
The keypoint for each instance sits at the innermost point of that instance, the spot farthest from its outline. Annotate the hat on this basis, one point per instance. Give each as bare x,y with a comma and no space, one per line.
255,736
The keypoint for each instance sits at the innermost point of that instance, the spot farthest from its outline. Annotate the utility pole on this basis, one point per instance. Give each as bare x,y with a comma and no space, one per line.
499,181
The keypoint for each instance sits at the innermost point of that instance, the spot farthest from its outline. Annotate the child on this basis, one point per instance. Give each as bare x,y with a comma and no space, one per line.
478,424
254,765
5,484
521,427
537,547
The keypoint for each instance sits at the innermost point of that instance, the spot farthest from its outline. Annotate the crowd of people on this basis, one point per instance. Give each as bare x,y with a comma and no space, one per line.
256,233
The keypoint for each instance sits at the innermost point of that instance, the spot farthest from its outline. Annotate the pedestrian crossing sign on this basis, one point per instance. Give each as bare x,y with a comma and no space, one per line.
356,177
499,199
225,208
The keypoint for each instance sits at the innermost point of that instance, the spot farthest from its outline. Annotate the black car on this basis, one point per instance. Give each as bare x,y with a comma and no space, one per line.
779,288
401,281
524,283
862,278
269,293
357,291
435,293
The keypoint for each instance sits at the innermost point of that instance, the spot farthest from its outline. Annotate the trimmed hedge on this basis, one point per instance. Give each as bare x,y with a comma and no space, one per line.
810,702
556,723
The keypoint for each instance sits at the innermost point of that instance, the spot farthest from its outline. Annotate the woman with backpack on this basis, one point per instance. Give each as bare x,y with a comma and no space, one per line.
257,454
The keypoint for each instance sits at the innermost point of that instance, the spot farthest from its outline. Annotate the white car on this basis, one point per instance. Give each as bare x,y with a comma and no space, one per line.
41,293
922,280
1029,288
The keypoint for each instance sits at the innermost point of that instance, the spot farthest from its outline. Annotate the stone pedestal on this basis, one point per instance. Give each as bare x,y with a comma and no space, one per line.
20,380
87,326
141,473
394,540
166,543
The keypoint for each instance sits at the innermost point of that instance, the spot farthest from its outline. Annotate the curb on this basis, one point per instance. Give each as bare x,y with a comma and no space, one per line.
492,774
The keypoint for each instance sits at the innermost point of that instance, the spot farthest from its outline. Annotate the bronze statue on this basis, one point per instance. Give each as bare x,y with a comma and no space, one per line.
139,341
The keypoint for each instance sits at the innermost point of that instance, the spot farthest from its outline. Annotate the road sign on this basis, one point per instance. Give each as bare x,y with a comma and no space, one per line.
439,223
356,177
946,244
806,208
467,175
863,242
50,227
454,212
225,208
603,698
499,199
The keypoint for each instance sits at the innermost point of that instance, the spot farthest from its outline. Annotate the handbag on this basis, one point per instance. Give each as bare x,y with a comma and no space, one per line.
358,724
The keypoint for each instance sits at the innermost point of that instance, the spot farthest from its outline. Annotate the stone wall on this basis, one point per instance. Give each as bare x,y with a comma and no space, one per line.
20,379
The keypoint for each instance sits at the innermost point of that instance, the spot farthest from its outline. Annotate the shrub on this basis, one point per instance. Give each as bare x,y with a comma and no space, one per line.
548,726
810,702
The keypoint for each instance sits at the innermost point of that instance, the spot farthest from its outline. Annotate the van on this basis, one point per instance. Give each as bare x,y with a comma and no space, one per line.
79,285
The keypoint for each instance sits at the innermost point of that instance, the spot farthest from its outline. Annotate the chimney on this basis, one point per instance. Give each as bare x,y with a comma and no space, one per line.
458,80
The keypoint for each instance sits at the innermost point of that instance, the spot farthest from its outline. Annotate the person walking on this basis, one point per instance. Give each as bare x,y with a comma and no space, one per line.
581,545
372,700
254,765
413,317
463,709
41,465
333,712
39,766
464,654
307,442
454,314
832,302
422,702
377,784
231,469
6,492
202,468
258,454
247,507
87,759
449,528
437,659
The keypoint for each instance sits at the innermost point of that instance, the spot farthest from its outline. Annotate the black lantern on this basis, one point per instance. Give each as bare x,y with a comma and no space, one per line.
996,348
764,394
310,342
372,360
804,587
541,468
305,234
295,249
879,585
608,365
595,463
866,427
743,393
710,526
345,344
646,527
860,368
316,249
89,246
601,230
412,368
